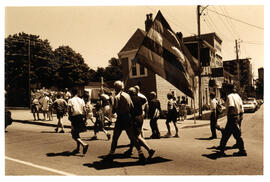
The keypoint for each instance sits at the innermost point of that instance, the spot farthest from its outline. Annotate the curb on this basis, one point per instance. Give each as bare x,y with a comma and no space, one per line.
54,125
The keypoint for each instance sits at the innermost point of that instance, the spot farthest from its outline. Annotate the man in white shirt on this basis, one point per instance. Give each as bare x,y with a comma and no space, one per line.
234,106
213,116
76,108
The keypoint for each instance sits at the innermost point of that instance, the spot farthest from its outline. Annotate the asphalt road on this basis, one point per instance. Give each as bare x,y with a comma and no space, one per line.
37,150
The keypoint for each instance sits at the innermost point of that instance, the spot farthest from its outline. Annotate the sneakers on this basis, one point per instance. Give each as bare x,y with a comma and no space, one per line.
85,148
142,158
128,153
176,136
56,130
151,153
212,137
240,153
168,135
75,151
62,131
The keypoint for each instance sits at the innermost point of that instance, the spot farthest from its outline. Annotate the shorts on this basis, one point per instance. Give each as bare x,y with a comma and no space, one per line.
171,117
34,108
78,125
60,114
138,123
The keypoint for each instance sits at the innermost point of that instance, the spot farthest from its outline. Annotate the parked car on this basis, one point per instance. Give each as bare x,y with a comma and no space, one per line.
249,106
260,101
8,119
254,101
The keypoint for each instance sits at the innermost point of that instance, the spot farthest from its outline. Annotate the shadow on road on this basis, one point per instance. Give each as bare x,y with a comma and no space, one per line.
104,164
208,138
65,153
216,155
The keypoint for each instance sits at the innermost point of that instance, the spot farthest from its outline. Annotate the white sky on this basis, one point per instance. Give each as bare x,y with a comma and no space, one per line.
99,32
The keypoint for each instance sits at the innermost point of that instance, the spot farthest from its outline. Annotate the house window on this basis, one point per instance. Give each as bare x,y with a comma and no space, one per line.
136,70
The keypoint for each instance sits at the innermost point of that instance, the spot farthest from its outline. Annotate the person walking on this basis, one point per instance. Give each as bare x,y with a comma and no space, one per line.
234,107
44,101
137,115
213,116
171,116
154,113
123,107
76,111
35,108
99,124
144,106
60,107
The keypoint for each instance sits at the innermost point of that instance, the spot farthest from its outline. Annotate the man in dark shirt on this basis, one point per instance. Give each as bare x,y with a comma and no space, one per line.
138,116
123,107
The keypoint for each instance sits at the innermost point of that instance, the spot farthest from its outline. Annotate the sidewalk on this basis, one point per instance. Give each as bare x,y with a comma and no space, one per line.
25,116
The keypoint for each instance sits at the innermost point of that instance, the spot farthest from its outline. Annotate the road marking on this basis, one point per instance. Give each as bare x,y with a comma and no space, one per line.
40,167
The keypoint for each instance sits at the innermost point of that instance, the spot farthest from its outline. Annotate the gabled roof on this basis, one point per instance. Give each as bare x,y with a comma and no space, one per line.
135,41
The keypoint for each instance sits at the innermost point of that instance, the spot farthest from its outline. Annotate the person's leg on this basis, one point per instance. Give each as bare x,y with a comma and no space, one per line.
213,125
134,140
156,128
168,126
152,125
225,136
116,134
176,128
239,140
61,125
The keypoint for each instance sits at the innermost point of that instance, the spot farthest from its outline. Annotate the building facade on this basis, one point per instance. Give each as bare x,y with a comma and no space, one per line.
211,57
241,70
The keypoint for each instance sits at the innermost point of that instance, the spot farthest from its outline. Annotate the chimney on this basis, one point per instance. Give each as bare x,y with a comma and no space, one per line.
148,21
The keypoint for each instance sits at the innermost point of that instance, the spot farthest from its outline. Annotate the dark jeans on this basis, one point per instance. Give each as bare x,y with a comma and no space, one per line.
213,123
124,122
232,128
154,127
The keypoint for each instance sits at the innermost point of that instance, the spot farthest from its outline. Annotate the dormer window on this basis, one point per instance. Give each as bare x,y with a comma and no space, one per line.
136,70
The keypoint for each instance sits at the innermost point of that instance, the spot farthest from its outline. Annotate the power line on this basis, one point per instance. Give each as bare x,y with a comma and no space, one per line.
237,20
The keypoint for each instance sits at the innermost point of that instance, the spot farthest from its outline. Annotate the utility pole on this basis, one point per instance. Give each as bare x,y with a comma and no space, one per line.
199,59
29,69
237,61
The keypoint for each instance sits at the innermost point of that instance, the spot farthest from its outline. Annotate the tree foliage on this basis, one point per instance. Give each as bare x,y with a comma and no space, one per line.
71,69
19,50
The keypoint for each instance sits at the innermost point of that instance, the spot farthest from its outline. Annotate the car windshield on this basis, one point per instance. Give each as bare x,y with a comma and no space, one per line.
248,102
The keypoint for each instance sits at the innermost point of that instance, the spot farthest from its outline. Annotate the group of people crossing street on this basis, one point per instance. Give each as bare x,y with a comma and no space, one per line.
130,108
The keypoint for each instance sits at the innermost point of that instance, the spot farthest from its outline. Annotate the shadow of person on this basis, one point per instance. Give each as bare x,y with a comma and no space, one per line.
65,153
104,164
226,148
216,155
208,138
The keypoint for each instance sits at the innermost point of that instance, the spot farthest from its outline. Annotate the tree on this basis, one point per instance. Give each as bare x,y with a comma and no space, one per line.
71,69
24,51
113,72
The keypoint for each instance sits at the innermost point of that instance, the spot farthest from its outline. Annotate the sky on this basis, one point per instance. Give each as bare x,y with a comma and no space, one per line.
99,32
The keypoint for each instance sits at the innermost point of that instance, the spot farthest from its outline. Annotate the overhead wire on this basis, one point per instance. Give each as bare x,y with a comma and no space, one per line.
255,26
